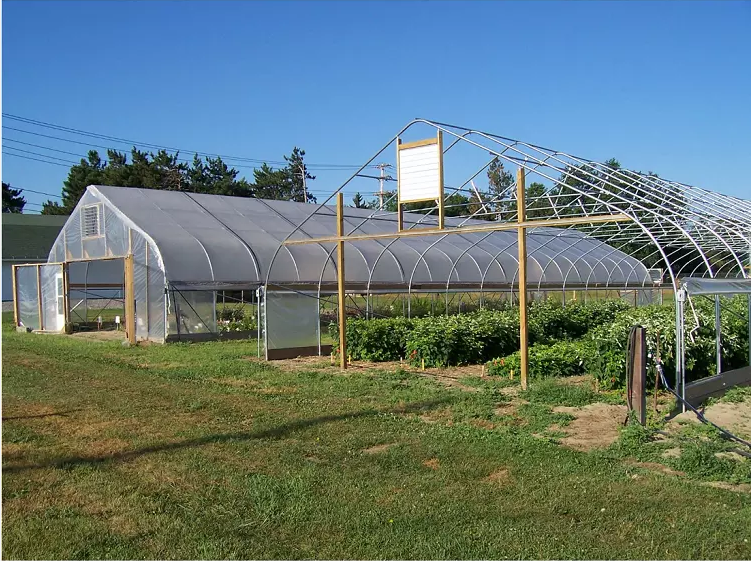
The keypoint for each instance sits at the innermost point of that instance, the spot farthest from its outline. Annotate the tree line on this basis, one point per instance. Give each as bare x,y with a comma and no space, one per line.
164,170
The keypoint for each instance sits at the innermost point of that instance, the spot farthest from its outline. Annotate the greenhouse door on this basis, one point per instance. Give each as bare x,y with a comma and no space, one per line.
59,317
291,324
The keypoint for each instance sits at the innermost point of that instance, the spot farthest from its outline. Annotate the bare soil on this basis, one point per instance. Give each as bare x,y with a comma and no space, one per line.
594,426
734,417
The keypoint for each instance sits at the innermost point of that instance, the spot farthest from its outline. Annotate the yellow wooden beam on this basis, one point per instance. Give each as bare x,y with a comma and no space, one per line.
441,202
418,143
130,301
341,281
521,218
550,223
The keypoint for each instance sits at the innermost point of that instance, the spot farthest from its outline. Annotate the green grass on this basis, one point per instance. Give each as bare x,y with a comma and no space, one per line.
196,451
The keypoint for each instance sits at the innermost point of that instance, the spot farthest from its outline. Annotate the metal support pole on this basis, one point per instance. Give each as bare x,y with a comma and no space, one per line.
258,320
16,313
340,279
522,243
680,356
39,298
718,333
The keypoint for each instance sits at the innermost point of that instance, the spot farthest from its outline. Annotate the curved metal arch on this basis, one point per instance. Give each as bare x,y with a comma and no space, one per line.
555,181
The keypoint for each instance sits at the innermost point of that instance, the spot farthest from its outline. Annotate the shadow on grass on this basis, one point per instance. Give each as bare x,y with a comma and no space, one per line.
277,432
56,414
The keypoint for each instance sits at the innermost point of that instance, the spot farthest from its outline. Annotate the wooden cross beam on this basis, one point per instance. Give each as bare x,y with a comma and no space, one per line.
521,226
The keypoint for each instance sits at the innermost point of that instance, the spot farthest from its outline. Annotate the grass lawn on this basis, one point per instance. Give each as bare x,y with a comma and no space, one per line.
198,451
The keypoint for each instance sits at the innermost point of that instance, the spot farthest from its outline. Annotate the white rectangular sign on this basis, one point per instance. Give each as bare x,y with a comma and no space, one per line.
419,172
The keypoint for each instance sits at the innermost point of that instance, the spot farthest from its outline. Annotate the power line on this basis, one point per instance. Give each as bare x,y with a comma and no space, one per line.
38,154
116,139
35,159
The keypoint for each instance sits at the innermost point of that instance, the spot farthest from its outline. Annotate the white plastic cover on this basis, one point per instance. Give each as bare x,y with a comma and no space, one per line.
697,286
291,320
215,242
28,296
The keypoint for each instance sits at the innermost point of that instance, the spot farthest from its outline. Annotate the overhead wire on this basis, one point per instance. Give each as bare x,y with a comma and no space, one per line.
120,140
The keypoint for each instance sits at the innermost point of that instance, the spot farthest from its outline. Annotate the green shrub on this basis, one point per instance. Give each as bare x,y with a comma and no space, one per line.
565,358
375,339
550,321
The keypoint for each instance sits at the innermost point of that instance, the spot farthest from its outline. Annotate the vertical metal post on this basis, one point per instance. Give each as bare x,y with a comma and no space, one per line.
39,298
341,280
749,329
15,295
680,357
718,333
258,320
522,243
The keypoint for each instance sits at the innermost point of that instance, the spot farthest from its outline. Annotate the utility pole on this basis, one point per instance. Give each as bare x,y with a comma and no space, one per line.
383,177
304,182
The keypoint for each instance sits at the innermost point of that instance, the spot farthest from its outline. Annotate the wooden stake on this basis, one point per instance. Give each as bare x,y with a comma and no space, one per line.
340,280
130,301
522,242
66,296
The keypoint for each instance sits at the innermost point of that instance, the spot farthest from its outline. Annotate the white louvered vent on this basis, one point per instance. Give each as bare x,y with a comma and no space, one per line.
90,221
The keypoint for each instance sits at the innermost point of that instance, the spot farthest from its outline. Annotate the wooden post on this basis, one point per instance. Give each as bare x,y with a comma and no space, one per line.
130,301
15,296
340,278
441,202
522,243
39,297
399,213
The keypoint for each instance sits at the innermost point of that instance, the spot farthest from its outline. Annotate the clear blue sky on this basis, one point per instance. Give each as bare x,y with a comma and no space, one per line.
660,86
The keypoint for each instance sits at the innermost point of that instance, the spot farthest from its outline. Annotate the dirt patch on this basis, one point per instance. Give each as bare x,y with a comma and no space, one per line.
672,453
482,424
740,488
378,448
101,336
442,415
499,476
432,463
655,467
594,426
734,417
505,409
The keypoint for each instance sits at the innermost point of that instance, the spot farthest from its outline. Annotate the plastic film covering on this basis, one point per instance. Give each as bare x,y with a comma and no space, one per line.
217,242
115,234
696,286
53,312
28,296
155,301
291,320
72,239
140,286
191,312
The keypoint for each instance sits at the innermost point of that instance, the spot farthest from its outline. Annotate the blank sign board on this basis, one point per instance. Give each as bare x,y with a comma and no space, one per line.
419,171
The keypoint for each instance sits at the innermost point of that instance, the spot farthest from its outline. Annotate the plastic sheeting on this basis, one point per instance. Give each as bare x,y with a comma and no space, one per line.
215,242
697,286
191,312
27,293
155,301
140,284
291,320
53,306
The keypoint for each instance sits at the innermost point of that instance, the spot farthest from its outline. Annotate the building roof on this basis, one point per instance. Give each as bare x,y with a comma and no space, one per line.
218,241
29,237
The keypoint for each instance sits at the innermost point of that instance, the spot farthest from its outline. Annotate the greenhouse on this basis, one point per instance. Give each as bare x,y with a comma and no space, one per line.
183,255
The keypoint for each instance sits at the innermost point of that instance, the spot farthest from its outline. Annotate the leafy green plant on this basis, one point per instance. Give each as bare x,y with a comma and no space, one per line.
565,358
